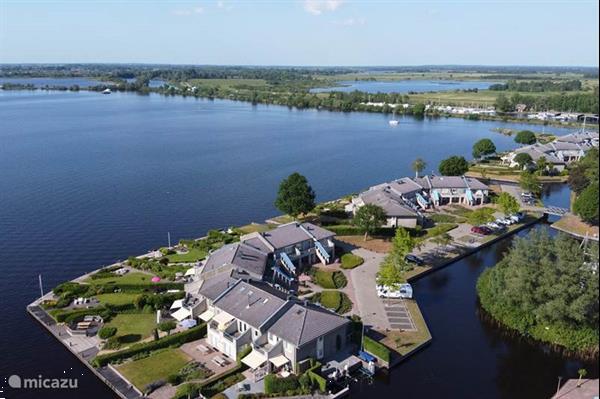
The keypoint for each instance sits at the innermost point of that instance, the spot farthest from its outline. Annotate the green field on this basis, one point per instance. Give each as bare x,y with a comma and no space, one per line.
228,83
116,298
133,324
193,255
129,278
154,367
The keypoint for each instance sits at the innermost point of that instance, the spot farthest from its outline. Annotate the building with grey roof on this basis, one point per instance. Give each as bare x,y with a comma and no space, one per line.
404,199
292,247
246,259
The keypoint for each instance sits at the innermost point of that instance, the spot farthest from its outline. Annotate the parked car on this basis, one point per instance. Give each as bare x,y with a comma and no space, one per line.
527,194
402,291
494,226
484,231
410,258
503,221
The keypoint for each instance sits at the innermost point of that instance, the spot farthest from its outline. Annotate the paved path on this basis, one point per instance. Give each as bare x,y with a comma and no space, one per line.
369,305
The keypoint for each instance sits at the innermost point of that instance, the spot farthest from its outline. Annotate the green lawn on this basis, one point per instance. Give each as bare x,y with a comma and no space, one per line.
334,300
194,254
129,278
330,279
133,324
117,298
254,227
350,261
154,367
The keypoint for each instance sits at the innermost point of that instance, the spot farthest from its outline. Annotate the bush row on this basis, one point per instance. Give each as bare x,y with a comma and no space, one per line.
376,349
170,340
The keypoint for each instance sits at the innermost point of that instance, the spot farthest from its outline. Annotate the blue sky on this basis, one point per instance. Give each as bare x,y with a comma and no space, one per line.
301,32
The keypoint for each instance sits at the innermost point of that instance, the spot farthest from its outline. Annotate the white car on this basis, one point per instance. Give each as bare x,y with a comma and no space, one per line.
493,225
403,291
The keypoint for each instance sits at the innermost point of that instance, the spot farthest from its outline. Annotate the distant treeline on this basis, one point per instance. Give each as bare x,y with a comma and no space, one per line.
538,86
578,102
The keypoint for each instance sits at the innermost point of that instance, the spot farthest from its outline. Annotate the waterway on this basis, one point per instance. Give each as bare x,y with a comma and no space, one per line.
404,86
87,179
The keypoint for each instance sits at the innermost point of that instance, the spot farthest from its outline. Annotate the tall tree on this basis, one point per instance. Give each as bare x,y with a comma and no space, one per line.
454,166
529,182
523,159
525,137
483,147
508,204
369,218
586,204
418,166
403,242
295,195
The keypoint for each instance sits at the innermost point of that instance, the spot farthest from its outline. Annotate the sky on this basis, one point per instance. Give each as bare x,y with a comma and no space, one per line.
300,32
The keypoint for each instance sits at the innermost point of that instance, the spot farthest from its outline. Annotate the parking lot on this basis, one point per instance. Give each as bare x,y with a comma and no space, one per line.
398,315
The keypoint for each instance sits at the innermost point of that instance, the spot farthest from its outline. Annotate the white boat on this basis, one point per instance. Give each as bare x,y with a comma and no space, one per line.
394,121
106,91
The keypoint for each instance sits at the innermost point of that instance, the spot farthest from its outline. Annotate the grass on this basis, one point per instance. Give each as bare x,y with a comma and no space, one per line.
406,341
437,230
376,244
350,261
445,218
377,349
334,300
254,227
330,279
154,367
129,278
229,83
118,298
193,255
133,324
573,224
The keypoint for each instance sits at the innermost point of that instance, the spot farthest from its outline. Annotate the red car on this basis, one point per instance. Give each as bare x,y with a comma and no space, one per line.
484,231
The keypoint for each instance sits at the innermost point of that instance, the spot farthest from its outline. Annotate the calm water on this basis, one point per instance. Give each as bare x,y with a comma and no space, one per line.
41,82
404,86
86,179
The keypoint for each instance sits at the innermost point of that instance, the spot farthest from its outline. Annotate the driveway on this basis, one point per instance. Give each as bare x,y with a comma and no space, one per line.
369,306
398,315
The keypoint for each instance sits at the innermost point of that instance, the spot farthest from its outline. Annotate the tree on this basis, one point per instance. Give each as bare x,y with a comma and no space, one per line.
403,243
454,166
389,274
578,180
503,103
442,240
155,333
418,110
541,165
295,195
167,326
529,182
369,218
418,166
582,373
586,204
483,147
508,204
523,159
525,137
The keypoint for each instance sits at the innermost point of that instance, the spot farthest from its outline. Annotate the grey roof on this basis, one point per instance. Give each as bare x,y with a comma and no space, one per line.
215,286
391,202
253,303
578,137
441,182
536,151
301,324
294,233
240,255
257,243
405,186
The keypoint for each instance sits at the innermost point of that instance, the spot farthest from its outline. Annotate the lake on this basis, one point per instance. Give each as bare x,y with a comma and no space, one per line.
88,179
404,86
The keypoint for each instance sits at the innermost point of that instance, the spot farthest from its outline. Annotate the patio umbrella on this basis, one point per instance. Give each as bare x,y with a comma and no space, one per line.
188,323
155,279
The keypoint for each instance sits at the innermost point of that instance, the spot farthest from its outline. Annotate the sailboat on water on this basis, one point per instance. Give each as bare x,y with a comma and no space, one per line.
394,121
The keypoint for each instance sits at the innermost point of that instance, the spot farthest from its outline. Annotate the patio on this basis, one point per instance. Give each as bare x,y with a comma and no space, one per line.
202,352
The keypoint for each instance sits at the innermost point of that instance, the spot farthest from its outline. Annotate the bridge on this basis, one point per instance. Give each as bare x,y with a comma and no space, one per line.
550,210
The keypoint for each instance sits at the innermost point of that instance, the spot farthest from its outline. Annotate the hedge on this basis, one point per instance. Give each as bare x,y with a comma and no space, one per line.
376,349
315,378
350,261
107,332
69,317
274,384
351,230
175,340
157,287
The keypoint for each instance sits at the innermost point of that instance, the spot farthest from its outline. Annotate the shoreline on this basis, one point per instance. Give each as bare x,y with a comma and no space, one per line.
493,118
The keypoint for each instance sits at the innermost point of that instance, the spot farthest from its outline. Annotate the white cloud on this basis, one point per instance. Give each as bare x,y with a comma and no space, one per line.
224,6
187,11
318,7
350,22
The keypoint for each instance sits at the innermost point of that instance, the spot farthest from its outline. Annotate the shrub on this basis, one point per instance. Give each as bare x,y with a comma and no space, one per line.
174,379
171,340
376,349
350,261
187,391
339,279
107,332
274,384
334,300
